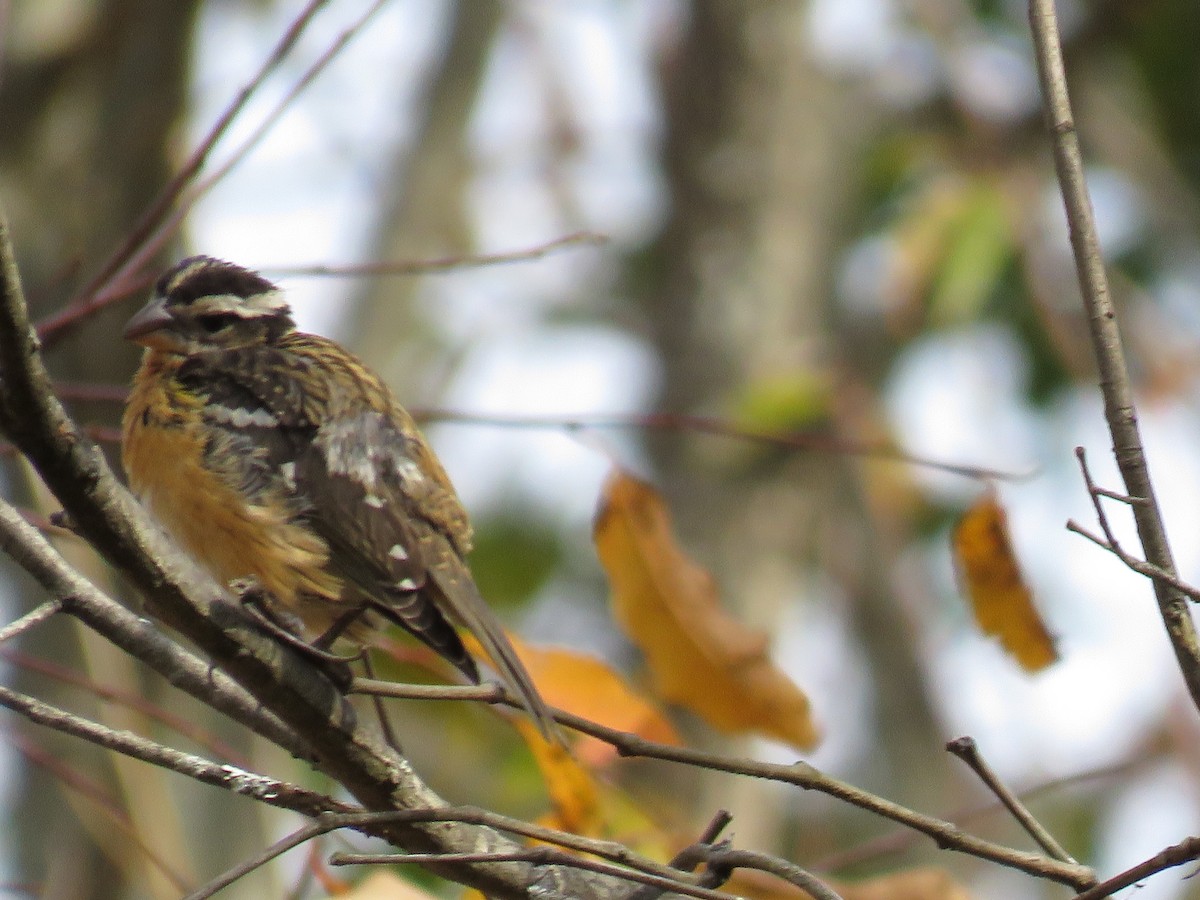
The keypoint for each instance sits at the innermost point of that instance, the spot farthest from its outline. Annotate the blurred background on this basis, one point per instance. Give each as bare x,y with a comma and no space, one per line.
834,216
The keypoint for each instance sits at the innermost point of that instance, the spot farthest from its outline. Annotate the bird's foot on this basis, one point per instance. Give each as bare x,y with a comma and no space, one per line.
287,628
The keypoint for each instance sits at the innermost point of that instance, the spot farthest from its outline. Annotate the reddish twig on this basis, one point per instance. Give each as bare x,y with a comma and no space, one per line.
443,264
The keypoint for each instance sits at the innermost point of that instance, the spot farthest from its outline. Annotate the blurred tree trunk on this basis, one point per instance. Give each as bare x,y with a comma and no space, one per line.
92,93
421,210
757,146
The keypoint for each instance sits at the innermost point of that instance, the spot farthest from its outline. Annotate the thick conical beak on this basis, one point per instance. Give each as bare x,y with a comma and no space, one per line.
149,319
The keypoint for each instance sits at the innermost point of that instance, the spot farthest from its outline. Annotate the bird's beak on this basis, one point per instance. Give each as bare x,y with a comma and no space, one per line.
151,318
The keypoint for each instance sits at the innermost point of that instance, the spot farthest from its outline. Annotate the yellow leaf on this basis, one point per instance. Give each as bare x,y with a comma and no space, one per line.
699,657
991,577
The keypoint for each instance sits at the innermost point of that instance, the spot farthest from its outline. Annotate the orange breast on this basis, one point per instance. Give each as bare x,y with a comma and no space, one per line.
163,453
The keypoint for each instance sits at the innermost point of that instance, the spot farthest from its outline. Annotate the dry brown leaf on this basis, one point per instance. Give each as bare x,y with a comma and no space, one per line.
699,657
992,579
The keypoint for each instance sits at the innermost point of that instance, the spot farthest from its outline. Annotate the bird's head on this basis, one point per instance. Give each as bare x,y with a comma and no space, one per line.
205,304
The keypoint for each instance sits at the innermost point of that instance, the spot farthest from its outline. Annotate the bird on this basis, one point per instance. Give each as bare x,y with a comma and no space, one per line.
278,457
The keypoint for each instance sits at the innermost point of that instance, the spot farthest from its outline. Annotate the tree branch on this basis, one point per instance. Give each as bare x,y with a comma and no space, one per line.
1119,408
947,835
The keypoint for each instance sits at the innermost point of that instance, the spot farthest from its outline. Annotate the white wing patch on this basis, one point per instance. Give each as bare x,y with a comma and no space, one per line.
241,418
367,450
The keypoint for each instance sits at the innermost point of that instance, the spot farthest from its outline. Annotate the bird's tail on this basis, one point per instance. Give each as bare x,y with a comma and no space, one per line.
463,601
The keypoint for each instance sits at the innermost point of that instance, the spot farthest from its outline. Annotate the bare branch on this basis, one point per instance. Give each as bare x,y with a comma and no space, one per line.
538,856
444,264
1109,541
1119,408
693,855
258,787
947,835
728,858
180,722
1183,852
30,620
280,847
812,441
967,750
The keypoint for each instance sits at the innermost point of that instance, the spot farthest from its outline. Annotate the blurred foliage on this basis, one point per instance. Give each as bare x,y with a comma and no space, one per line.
516,552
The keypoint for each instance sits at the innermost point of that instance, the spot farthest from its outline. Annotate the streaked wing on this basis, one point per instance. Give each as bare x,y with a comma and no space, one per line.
363,486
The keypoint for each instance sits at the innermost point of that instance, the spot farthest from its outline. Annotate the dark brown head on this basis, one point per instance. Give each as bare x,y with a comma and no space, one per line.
207,304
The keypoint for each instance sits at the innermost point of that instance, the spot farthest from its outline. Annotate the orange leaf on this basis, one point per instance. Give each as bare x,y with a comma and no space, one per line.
573,791
914,884
587,805
991,577
384,885
590,688
699,657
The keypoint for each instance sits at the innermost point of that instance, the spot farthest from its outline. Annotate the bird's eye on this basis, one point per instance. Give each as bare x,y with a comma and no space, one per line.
215,322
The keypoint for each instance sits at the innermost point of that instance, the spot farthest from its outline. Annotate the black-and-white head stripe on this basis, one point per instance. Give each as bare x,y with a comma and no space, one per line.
221,287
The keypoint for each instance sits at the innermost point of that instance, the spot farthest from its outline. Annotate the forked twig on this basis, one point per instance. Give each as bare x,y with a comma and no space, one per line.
1110,543
967,750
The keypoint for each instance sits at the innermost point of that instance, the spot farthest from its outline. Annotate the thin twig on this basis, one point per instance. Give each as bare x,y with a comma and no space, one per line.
967,750
1137,565
127,277
1109,541
820,443
1183,852
181,723
365,821
242,869
31,619
729,858
1115,384
801,774
266,790
691,856
901,839
443,264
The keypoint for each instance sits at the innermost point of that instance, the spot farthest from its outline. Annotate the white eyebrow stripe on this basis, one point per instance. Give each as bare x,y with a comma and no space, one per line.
256,306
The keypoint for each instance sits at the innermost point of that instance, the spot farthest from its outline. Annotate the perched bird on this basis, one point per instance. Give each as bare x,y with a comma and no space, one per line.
277,455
